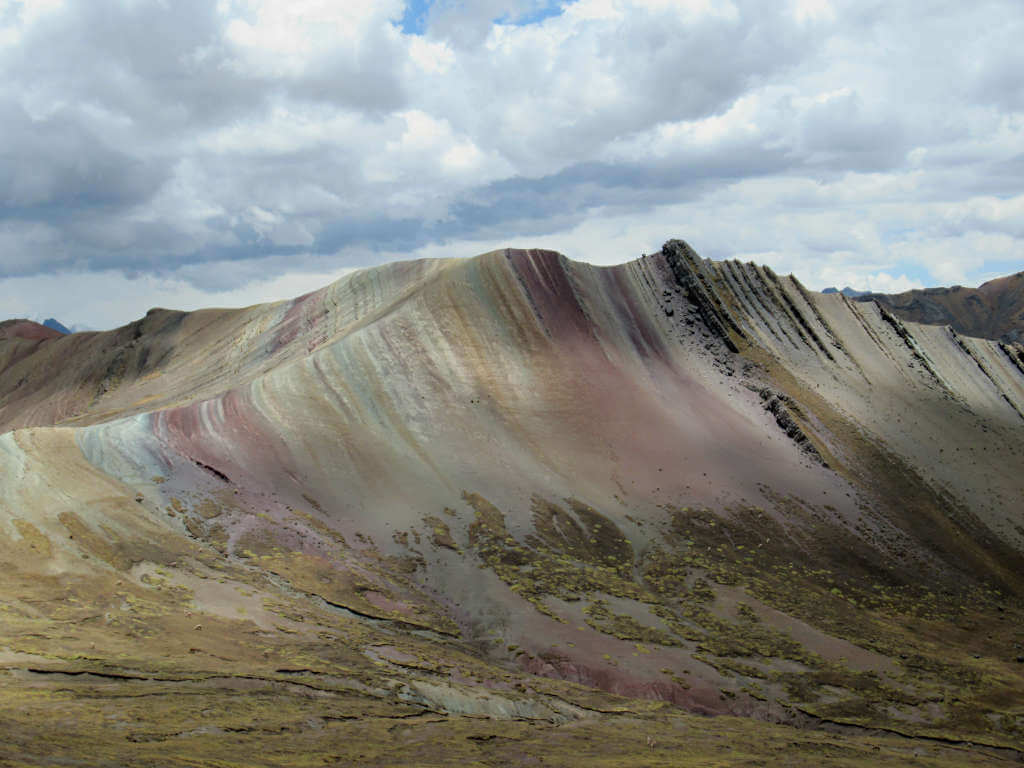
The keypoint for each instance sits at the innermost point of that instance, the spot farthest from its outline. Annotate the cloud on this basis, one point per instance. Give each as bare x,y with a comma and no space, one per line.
467,24
197,143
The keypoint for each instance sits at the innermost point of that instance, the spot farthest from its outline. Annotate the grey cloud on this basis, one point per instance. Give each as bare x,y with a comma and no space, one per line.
534,206
56,166
575,190
365,77
999,81
542,205
160,65
660,69
118,93
169,67
136,137
380,233
841,133
467,22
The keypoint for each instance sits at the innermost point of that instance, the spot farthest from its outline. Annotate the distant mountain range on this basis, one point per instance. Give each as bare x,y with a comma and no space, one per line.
847,291
994,310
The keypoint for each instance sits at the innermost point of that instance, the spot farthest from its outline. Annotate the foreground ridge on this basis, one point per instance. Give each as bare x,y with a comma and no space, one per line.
520,488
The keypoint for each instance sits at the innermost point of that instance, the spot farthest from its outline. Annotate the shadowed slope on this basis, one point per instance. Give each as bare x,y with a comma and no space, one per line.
673,480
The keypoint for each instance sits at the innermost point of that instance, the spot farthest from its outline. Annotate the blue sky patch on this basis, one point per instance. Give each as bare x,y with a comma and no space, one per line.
414,20
417,13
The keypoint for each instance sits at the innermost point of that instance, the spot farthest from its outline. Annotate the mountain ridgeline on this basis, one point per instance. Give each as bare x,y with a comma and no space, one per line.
501,503
994,310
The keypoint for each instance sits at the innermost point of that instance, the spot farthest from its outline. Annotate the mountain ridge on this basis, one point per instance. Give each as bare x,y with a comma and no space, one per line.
674,482
993,310
847,291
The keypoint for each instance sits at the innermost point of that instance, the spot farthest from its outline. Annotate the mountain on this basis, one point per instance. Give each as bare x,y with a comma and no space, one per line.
52,323
515,509
26,330
995,310
847,291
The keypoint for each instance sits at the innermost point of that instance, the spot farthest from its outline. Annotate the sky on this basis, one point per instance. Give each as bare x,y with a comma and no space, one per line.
225,152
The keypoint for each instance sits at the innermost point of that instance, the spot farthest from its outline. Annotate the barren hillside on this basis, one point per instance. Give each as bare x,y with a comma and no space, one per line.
515,507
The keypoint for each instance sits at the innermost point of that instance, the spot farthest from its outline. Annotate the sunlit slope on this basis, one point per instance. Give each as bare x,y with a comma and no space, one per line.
170,357
673,479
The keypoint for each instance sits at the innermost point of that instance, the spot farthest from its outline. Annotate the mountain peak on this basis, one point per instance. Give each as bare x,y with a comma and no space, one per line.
847,291
21,328
56,325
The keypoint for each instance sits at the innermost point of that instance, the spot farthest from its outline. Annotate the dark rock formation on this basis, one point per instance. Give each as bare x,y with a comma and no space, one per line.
782,406
699,290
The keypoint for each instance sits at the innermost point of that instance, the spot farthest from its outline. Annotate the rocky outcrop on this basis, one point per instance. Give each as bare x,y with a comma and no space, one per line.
1015,352
782,407
911,344
691,276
